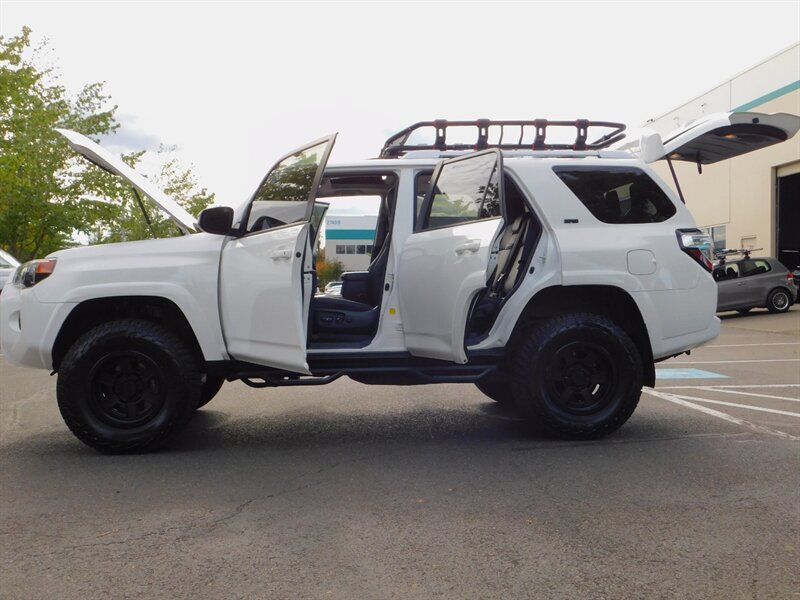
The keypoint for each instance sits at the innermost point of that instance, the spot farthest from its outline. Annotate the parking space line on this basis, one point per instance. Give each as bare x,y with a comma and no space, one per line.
745,345
712,389
726,386
724,362
720,415
735,405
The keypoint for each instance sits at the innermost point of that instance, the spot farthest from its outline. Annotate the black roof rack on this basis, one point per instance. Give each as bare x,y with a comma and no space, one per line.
397,145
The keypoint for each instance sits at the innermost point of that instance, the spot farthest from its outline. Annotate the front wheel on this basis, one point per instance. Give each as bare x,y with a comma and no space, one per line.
577,376
778,301
128,386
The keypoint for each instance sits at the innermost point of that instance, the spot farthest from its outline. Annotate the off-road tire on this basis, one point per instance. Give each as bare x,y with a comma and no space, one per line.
209,389
128,386
499,391
779,300
576,376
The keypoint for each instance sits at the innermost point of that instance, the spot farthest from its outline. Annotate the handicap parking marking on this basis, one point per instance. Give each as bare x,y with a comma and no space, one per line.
688,374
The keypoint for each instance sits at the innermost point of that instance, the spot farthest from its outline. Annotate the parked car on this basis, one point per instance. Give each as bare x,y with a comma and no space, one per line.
334,288
747,283
551,275
8,264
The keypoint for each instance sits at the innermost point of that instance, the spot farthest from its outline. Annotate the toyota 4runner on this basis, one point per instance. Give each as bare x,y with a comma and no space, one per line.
550,275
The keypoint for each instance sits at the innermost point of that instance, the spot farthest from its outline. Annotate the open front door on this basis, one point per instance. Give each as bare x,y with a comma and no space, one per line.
445,262
266,270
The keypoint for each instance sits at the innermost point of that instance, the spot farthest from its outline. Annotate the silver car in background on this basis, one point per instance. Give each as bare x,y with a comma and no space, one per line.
762,282
8,264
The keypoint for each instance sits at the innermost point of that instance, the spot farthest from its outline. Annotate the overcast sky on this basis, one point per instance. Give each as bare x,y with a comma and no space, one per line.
237,85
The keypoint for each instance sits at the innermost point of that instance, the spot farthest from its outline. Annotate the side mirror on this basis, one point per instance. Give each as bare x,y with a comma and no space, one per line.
217,219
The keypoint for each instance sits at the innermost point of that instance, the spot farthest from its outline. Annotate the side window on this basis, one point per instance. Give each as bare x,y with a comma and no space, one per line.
617,194
284,194
754,267
728,271
466,189
421,183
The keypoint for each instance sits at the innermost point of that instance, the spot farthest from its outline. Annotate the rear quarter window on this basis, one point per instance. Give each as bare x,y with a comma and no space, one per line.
617,194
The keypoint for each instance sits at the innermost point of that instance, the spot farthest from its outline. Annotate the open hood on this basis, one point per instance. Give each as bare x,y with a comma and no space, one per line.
720,136
101,157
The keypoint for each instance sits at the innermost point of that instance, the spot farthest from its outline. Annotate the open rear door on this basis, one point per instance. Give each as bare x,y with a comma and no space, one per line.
444,263
722,136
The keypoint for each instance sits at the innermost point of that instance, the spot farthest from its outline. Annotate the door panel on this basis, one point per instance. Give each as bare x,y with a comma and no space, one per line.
266,273
444,264
440,272
269,326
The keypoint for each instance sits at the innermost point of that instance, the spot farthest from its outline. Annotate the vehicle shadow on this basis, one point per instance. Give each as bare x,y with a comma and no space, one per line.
487,425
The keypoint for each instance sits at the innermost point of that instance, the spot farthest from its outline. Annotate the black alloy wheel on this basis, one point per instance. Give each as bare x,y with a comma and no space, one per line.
128,386
581,378
577,375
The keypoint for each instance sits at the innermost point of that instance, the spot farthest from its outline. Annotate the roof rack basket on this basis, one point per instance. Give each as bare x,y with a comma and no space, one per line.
397,145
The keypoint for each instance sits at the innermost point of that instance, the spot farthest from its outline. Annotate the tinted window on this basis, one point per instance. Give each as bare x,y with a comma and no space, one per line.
726,271
617,194
754,267
465,190
283,196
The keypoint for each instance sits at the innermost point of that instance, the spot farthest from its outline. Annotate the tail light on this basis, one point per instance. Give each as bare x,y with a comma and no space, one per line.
698,245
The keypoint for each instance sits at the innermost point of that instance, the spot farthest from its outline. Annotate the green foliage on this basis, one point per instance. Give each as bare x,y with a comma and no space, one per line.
327,271
49,197
43,200
125,221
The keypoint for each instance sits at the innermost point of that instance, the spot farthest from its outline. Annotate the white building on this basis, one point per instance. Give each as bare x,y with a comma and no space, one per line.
752,200
349,239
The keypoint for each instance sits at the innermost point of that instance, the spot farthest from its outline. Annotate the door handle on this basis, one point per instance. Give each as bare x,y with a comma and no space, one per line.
469,246
281,253
741,283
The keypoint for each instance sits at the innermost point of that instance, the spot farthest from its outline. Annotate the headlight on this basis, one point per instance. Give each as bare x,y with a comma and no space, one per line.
34,271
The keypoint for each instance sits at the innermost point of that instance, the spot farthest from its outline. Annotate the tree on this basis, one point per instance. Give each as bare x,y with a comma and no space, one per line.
49,196
327,271
43,200
125,221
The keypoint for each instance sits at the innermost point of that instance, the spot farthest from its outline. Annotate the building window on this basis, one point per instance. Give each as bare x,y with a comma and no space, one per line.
718,235
340,249
351,249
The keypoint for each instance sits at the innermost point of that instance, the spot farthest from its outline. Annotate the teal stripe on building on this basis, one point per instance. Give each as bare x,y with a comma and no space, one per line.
782,91
350,234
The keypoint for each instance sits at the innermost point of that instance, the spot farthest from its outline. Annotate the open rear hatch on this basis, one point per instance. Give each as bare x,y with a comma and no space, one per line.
720,137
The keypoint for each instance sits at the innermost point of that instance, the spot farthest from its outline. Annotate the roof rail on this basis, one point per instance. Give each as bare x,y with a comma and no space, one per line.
398,144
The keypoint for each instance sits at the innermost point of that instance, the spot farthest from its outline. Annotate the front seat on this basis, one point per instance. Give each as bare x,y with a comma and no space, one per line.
358,309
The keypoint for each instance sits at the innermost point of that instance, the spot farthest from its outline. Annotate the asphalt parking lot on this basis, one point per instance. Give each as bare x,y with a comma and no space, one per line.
357,492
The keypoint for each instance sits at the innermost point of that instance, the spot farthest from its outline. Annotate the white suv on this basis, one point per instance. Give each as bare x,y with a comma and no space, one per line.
550,275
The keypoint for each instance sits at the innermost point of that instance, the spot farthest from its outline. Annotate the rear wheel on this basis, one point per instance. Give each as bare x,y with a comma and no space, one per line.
209,389
577,376
778,301
128,386
499,391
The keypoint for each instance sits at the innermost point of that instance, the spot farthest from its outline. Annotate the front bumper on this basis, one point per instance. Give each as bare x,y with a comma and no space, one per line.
28,327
